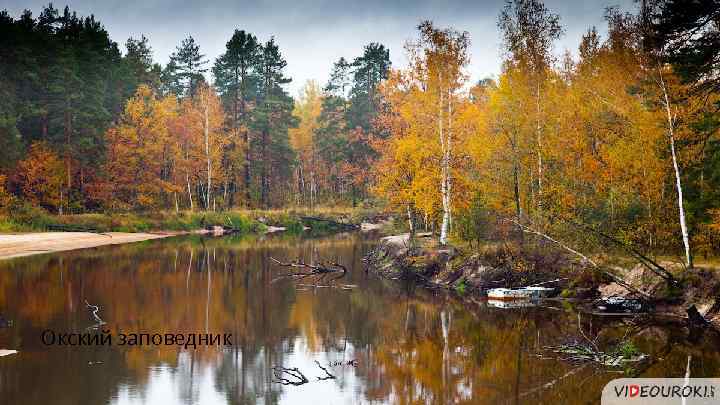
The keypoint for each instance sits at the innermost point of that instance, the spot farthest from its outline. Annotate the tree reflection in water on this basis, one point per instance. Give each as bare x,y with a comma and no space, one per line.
409,346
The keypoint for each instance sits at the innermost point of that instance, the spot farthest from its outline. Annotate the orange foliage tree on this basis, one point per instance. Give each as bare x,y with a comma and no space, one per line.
141,153
40,176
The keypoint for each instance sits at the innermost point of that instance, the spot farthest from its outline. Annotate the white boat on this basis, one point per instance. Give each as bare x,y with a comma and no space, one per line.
525,293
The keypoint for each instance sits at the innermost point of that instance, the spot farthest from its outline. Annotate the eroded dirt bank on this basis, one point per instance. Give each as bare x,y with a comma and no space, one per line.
422,261
17,245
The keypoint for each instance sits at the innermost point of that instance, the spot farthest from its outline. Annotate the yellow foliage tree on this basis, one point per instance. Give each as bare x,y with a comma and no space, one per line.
302,139
422,165
141,153
41,176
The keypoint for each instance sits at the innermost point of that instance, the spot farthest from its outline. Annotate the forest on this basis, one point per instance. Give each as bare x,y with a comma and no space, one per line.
620,136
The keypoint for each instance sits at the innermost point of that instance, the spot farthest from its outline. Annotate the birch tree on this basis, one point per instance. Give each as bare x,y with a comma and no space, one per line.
671,124
427,106
529,30
439,57
209,113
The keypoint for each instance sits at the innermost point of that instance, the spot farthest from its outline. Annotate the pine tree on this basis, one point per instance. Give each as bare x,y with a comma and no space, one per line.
139,62
236,80
368,71
185,69
271,119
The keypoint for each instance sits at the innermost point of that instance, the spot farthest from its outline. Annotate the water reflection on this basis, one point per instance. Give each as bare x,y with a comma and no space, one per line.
411,347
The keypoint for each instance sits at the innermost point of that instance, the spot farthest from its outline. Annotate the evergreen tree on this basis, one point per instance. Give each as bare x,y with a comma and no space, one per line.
271,119
688,33
78,113
140,66
368,71
236,80
331,136
185,69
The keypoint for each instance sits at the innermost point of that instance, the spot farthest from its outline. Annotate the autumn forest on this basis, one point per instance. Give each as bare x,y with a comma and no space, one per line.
620,135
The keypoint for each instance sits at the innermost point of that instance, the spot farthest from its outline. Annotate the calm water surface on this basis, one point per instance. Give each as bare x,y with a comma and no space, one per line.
409,346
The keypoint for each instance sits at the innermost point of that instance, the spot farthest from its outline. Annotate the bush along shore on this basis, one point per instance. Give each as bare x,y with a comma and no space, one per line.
661,289
26,218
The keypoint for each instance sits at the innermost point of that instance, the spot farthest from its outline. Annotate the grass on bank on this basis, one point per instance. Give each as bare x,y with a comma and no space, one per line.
27,218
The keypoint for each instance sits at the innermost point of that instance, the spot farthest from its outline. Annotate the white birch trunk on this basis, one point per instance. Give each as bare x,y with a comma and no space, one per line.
187,179
411,224
678,183
444,176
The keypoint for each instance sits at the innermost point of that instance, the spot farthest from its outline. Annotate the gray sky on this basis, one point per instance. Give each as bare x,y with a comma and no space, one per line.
312,35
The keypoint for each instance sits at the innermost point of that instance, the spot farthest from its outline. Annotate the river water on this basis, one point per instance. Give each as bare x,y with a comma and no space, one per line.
382,341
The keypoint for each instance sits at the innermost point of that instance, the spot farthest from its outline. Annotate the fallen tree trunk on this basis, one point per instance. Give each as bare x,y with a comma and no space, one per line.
585,259
644,260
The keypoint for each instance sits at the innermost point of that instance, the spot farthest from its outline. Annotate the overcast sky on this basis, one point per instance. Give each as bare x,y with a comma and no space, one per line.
312,35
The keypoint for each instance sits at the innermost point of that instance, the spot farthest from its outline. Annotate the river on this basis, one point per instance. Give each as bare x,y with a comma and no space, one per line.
381,341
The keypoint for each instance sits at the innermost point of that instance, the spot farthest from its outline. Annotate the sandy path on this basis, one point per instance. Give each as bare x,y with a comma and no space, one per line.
17,245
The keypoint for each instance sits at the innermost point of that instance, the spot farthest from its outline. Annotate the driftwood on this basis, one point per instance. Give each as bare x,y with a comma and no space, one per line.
320,273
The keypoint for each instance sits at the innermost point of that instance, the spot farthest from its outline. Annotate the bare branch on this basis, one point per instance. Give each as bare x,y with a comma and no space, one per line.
94,309
321,270
327,375
296,377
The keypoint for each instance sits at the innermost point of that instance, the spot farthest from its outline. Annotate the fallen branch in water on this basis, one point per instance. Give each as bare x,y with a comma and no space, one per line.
327,375
296,377
94,309
582,353
319,272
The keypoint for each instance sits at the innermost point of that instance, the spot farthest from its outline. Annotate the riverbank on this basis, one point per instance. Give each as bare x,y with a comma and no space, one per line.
26,233
20,245
26,218
470,274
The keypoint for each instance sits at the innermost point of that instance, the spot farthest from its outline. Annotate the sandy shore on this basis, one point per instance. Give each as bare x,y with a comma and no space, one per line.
17,245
